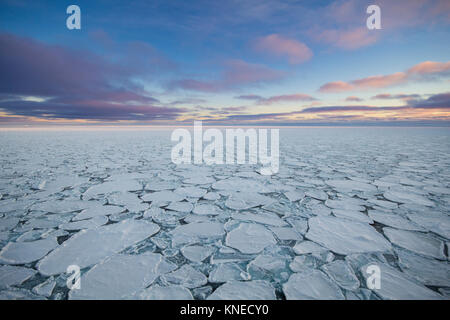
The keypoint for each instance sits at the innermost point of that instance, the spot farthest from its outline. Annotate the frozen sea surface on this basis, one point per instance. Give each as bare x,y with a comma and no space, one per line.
140,227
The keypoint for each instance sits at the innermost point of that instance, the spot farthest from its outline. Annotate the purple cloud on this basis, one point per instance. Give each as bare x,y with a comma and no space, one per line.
236,73
73,84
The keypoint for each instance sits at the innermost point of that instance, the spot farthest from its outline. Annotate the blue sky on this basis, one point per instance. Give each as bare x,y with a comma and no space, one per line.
227,62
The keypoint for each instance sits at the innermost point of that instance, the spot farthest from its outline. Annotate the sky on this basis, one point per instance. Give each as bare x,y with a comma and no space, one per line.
228,62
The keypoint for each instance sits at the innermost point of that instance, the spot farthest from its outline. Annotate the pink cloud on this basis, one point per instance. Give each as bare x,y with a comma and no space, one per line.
417,72
295,51
430,67
236,73
287,98
353,99
348,39
336,86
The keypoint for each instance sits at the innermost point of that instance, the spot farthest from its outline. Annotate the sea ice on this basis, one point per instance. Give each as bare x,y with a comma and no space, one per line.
311,284
436,222
11,275
156,292
26,252
397,286
417,242
407,197
96,211
225,272
430,272
85,224
206,209
185,276
45,288
343,236
197,253
394,220
244,290
352,215
120,276
250,238
88,247
196,232
341,272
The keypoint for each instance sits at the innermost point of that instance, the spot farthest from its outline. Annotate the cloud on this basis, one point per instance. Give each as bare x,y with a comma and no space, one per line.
429,67
348,39
249,97
418,72
348,108
70,84
336,86
388,96
295,51
353,99
259,100
287,98
437,101
236,73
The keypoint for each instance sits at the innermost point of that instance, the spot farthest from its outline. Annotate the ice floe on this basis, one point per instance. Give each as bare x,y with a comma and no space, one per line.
344,236
120,276
250,238
244,290
418,242
311,284
89,247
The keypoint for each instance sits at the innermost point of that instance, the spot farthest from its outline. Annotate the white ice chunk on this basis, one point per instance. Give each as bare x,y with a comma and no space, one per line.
88,247
185,276
344,204
26,252
85,224
163,196
8,223
247,200
352,215
96,211
341,272
407,197
120,276
194,192
11,275
224,272
250,238
196,232
428,271
417,242
395,285
207,209
286,233
197,253
311,285
156,292
244,290
344,236
294,195
184,207
266,218
350,185
317,194
306,247
45,288
394,220
436,222
112,186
